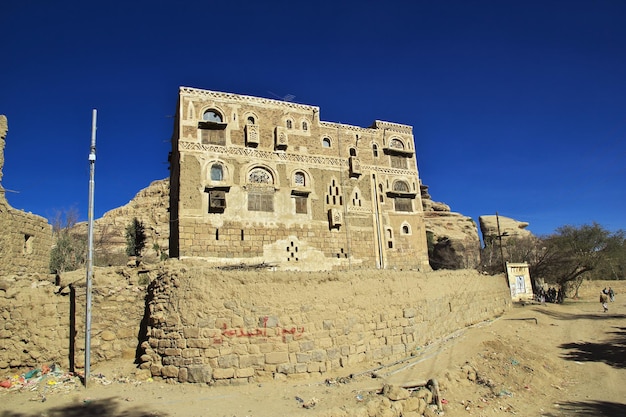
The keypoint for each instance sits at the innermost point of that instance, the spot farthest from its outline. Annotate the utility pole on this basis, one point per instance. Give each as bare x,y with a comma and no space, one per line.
92,168
500,235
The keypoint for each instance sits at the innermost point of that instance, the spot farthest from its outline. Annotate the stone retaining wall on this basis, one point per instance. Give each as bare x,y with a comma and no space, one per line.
43,323
224,327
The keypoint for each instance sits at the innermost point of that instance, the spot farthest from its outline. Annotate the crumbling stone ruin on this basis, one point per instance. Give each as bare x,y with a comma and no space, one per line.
26,239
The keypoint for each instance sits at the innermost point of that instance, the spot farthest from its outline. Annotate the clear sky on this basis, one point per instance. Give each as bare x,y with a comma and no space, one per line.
518,106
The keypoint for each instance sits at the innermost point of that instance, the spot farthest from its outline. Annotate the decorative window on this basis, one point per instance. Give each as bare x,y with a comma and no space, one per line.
299,179
334,197
261,190
289,124
398,161
396,144
251,120
213,136
212,130
326,143
260,176
217,201
212,116
261,201
401,187
301,204
217,173
403,204
305,126
375,150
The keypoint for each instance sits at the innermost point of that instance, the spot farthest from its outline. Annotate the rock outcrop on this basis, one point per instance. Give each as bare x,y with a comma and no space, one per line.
150,206
507,227
453,238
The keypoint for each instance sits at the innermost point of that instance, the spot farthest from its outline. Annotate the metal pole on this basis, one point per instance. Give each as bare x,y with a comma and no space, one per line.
92,168
500,241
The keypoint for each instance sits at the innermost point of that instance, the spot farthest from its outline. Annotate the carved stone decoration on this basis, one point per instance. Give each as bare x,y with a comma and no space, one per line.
355,166
260,176
252,134
281,137
335,216
396,144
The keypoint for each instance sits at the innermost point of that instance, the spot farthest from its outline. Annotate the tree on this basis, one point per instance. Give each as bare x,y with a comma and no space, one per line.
70,248
572,253
135,238
515,249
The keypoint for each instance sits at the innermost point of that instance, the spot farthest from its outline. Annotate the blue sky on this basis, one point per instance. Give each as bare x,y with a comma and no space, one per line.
517,106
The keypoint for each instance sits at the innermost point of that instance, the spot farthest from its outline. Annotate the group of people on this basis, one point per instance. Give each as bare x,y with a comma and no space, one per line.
552,295
606,295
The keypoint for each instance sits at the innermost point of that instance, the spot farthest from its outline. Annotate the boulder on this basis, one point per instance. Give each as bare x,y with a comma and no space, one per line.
508,227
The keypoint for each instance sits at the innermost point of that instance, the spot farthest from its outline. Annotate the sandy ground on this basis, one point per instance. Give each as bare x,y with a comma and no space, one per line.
536,360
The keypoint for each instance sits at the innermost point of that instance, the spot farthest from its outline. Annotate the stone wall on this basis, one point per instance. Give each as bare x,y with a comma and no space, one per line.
229,327
43,323
26,238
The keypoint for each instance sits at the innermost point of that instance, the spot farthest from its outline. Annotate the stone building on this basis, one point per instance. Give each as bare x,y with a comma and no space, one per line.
26,239
255,180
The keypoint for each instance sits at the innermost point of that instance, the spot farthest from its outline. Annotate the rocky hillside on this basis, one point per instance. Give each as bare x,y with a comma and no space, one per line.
453,237
150,206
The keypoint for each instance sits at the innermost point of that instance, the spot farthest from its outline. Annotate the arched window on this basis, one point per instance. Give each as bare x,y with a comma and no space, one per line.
406,229
260,176
251,120
352,152
401,187
261,190
289,124
396,144
217,173
326,143
299,179
305,126
212,116
375,150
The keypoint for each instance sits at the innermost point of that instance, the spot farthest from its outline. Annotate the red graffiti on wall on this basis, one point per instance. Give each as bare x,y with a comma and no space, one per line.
295,332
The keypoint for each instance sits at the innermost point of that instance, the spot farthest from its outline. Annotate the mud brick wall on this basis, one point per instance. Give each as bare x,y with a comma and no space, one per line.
43,323
227,327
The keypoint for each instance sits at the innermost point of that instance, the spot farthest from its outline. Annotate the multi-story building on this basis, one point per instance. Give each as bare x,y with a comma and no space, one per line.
256,180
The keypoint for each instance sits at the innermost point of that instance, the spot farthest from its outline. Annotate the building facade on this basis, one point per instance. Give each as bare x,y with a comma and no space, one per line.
262,181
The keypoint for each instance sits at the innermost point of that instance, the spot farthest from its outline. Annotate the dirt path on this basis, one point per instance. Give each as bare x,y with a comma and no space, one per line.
538,360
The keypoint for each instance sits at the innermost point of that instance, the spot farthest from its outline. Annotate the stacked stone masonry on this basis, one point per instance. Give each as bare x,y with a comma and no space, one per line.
252,177
44,323
26,239
224,327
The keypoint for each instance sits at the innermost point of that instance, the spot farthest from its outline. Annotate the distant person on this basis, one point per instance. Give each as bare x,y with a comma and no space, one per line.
611,294
604,301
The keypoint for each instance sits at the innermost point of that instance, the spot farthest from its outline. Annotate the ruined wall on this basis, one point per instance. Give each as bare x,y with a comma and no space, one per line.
43,323
26,239
228,327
